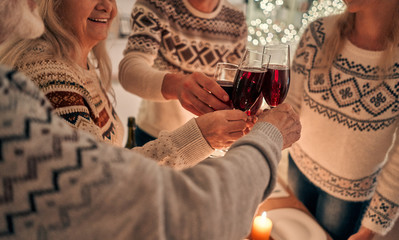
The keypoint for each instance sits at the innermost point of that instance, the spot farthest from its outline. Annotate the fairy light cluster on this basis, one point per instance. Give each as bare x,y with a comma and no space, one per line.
268,25
321,9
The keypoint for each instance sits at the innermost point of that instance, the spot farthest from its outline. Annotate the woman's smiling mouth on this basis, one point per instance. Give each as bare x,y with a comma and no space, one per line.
99,20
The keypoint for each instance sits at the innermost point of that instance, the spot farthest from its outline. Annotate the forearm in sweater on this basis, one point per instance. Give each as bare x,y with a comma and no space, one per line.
137,76
384,206
182,148
84,189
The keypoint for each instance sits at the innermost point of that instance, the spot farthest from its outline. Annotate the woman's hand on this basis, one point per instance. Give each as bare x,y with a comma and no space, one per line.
222,128
363,234
196,92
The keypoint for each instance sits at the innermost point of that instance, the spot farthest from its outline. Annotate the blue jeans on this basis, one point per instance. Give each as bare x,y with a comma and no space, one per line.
142,137
338,217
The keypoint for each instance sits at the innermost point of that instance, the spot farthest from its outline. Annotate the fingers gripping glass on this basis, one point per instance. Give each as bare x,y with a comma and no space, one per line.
224,75
243,83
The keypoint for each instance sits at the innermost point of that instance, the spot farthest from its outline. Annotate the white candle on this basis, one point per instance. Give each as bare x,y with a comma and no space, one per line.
261,227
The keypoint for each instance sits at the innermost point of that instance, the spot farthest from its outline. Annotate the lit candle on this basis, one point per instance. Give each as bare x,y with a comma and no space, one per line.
261,227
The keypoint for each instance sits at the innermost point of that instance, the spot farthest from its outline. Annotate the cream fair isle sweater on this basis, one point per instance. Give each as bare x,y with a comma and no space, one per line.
349,122
172,36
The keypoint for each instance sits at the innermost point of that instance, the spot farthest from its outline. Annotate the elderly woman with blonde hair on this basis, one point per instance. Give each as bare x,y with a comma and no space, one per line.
65,63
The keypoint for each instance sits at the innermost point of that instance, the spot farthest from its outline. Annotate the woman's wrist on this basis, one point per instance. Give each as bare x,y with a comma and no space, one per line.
170,85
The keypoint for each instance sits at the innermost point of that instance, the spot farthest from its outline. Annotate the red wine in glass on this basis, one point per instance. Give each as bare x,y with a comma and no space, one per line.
276,84
257,105
247,87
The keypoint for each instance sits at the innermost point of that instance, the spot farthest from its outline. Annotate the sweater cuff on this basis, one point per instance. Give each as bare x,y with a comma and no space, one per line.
380,215
191,145
271,131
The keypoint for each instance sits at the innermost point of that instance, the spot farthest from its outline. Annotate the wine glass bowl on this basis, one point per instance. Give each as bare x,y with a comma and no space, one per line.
224,75
253,110
277,78
249,80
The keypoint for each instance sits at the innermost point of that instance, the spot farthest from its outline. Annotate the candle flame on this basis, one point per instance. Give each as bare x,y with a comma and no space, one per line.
264,214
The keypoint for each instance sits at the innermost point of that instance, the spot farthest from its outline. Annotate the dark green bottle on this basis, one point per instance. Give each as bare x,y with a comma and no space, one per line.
131,128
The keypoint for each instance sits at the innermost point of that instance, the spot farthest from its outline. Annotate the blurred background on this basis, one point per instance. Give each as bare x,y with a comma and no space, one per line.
269,21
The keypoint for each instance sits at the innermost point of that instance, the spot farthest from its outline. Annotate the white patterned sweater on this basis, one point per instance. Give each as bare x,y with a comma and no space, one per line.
172,36
349,119
60,183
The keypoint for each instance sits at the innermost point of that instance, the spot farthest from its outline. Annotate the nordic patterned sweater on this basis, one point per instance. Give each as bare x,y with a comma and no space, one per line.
172,36
75,93
349,122
60,183
79,98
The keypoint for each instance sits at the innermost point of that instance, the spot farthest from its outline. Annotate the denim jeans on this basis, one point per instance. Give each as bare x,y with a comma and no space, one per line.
338,217
142,137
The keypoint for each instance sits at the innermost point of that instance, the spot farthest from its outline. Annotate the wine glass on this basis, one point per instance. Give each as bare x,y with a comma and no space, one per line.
224,75
249,80
277,78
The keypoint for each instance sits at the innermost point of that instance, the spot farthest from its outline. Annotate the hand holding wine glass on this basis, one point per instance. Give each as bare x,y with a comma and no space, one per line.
196,92
224,75
277,78
286,120
222,128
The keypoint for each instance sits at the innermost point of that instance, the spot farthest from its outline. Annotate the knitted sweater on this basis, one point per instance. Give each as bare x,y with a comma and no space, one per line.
78,97
75,93
349,122
60,183
172,36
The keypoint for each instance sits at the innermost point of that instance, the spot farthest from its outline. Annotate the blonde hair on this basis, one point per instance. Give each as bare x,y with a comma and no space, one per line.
63,44
342,30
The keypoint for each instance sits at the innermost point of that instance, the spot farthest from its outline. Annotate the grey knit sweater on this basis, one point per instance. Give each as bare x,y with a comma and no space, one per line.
59,183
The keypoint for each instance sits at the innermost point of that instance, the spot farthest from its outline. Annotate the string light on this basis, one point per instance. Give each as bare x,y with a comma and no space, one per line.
282,21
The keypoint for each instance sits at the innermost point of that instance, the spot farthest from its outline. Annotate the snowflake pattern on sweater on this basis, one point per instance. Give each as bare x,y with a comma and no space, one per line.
350,119
350,85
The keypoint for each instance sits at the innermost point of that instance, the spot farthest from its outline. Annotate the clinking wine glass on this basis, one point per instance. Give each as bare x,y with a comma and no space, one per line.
224,75
249,80
277,78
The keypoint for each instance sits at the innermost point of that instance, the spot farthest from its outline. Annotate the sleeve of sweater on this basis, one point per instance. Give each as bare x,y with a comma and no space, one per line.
300,64
383,210
77,188
136,73
182,148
